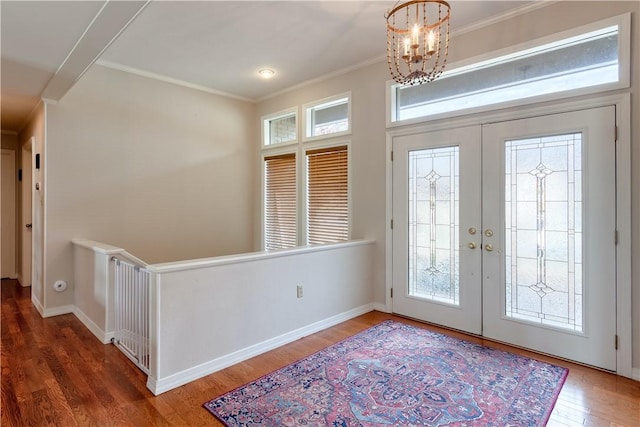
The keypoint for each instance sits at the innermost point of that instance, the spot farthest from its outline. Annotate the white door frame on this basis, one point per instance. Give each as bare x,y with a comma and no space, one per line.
27,211
38,283
622,102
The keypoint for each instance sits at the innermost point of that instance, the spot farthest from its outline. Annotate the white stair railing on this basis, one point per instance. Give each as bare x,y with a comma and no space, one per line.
132,312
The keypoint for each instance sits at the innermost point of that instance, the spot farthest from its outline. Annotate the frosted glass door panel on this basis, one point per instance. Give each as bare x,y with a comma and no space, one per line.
543,230
433,224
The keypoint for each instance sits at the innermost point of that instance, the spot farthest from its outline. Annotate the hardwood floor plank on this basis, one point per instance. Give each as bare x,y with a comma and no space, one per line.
10,409
55,372
64,414
143,413
569,416
42,411
18,377
192,412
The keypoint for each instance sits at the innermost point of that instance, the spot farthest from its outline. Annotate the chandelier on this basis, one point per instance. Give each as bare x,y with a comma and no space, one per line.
417,40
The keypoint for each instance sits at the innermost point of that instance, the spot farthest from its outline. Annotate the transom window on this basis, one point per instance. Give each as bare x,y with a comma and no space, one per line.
280,128
585,60
328,117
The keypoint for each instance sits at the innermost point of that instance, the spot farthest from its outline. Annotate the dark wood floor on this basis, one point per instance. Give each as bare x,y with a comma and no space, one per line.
55,372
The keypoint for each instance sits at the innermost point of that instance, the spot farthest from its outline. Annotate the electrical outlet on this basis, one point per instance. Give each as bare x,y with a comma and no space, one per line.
299,290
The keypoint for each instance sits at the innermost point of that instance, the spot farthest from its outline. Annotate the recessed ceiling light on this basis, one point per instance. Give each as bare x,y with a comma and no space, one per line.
266,73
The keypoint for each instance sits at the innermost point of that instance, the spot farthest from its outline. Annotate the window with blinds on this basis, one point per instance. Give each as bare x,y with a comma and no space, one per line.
280,202
327,195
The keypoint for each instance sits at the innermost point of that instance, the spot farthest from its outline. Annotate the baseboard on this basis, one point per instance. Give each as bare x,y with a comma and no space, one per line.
37,304
381,307
58,311
635,374
104,337
158,386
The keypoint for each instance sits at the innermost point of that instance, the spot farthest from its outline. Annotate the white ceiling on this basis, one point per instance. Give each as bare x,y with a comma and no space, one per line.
213,45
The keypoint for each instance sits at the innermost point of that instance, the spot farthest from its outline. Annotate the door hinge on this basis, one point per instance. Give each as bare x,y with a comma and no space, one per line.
392,224
392,156
616,237
615,133
616,342
392,295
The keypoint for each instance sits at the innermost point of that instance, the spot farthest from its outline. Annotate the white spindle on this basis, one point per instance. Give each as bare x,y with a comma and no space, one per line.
132,312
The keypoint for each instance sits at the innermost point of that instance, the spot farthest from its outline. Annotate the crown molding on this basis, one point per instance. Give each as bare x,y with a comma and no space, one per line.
166,79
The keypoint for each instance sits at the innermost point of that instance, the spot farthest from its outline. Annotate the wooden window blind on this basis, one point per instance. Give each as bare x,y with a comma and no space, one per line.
280,202
327,195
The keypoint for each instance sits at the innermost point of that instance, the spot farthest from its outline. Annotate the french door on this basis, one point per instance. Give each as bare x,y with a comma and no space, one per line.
507,230
437,264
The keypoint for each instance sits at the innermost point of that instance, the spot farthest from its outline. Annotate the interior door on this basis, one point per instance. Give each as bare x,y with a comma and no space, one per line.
8,203
508,231
549,217
436,231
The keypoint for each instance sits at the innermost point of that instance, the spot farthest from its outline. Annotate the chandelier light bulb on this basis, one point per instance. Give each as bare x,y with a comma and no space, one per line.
416,35
431,42
407,46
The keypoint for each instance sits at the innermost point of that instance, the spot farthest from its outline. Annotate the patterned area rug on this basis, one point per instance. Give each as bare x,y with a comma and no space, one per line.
395,374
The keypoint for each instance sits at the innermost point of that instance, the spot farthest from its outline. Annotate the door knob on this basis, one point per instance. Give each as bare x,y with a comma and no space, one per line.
488,232
28,225
472,245
472,230
488,247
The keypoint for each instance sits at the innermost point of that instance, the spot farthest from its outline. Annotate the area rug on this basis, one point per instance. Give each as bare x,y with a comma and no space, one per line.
398,375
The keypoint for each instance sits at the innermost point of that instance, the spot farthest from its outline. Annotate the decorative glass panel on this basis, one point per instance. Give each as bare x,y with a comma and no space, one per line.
543,233
433,224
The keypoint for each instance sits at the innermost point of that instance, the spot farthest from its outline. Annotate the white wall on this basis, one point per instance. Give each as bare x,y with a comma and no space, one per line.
93,293
9,141
239,307
161,170
368,140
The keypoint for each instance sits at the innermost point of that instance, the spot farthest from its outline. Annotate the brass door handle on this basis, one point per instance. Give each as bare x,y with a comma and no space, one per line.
472,245
488,247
